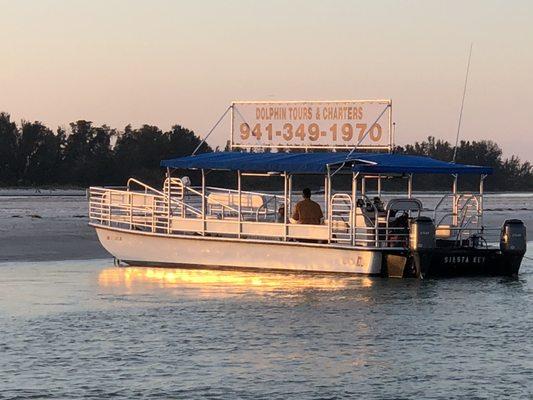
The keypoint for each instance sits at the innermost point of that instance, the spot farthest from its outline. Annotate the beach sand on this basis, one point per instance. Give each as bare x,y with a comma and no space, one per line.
45,228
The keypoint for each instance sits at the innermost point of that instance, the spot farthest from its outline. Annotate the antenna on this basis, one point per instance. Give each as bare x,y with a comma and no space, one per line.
462,104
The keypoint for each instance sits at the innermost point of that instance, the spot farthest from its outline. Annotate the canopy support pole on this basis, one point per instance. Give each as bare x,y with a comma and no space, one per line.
203,202
239,209
410,186
326,191
454,207
326,202
480,203
379,185
289,209
168,200
354,202
286,208
363,186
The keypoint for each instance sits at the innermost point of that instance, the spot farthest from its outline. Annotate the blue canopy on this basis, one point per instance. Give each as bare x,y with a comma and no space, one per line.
317,163
406,164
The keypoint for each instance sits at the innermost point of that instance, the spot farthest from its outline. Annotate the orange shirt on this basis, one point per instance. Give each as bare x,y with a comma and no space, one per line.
307,212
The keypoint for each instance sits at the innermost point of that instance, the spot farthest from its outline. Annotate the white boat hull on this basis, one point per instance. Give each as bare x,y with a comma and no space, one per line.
138,248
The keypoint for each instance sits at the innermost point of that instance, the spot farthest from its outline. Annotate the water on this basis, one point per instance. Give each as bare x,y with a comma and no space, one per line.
87,329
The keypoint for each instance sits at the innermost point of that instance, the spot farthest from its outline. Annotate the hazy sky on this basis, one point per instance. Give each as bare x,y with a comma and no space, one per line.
167,62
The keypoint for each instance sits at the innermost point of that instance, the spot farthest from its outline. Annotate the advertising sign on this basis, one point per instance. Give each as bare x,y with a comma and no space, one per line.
363,124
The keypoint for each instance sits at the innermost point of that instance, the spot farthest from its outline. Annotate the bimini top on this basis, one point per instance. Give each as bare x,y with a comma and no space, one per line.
318,163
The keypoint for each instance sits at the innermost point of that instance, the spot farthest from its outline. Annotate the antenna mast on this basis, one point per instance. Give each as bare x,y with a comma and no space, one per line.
462,104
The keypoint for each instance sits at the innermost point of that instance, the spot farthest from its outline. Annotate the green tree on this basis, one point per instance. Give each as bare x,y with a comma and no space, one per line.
182,142
38,154
88,158
138,152
8,150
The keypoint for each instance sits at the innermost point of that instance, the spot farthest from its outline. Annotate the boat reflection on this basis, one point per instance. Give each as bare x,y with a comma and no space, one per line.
222,281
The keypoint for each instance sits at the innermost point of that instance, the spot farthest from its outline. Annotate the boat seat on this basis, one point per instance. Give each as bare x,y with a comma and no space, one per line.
231,199
363,218
228,202
403,204
337,225
117,198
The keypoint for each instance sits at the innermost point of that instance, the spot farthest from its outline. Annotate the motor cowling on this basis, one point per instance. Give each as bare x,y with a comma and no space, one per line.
513,236
422,244
422,235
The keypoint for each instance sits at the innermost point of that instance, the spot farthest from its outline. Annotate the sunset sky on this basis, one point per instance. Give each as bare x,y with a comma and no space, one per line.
182,62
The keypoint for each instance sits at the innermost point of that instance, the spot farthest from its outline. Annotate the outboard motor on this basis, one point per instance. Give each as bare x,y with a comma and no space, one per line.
422,244
513,237
513,245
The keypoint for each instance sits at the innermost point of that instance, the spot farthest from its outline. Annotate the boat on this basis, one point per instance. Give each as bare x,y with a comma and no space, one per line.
196,225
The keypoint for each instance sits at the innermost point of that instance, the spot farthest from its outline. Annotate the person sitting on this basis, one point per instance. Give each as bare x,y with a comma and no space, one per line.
378,204
399,236
307,211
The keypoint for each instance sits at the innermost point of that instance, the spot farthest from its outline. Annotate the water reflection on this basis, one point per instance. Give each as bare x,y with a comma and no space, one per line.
222,281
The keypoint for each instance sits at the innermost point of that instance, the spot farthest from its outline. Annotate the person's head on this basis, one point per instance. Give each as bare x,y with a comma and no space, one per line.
306,193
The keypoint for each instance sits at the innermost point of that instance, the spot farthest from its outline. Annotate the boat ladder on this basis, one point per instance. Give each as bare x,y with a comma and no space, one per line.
340,218
160,215
467,214
174,187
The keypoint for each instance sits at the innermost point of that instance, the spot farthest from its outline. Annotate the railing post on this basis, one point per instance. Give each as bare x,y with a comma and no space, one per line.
109,209
130,196
168,216
376,227
275,207
153,214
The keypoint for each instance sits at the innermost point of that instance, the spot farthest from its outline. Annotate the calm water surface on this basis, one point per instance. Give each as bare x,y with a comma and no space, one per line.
86,329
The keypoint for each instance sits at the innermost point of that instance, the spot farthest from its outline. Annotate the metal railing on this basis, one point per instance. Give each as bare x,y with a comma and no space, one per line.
152,210
463,206
177,204
128,209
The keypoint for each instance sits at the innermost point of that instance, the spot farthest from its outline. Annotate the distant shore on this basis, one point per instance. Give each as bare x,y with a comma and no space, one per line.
25,191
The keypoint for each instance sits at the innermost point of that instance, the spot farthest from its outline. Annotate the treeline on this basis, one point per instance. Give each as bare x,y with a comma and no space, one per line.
32,154
510,174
